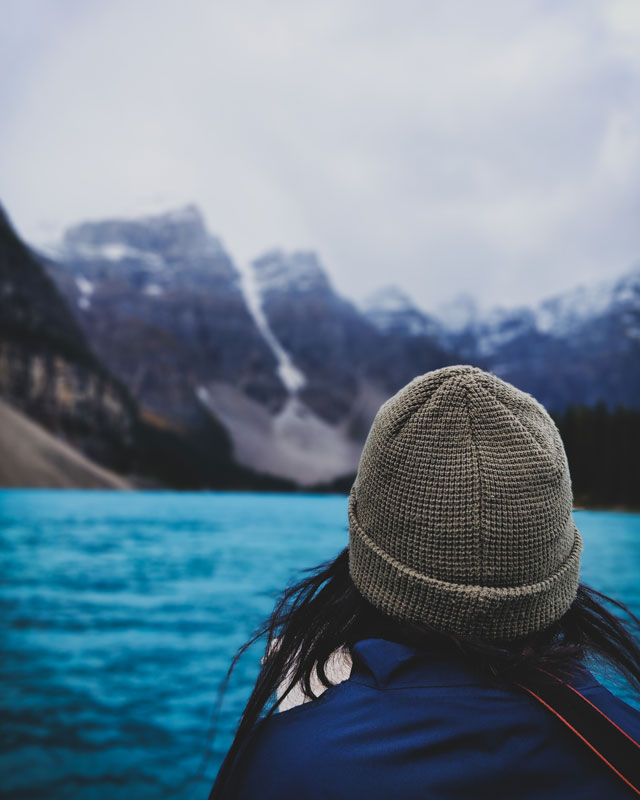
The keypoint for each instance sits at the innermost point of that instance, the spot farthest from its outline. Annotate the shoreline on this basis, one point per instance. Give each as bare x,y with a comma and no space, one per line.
130,485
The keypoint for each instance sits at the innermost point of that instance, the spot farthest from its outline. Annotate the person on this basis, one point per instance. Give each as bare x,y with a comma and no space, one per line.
443,653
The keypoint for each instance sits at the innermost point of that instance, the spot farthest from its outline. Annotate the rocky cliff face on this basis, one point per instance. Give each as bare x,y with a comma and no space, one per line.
161,303
46,366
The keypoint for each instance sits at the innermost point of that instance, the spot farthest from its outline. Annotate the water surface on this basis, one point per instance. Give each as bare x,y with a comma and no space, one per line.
121,612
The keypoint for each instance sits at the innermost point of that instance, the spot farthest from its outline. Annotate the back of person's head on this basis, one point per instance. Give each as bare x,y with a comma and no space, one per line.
461,539
460,515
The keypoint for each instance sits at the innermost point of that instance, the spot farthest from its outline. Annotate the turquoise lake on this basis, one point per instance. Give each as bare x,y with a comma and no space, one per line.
121,612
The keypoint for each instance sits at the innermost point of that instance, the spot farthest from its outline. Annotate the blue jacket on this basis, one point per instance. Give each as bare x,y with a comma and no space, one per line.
410,726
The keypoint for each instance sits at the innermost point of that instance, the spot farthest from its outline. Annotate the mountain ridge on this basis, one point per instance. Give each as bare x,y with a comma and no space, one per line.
260,349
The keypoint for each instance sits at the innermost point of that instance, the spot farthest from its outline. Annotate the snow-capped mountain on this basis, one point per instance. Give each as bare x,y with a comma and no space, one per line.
392,311
278,272
149,250
288,366
193,338
280,443
559,316
459,312
162,304
325,335
578,347
562,314
411,342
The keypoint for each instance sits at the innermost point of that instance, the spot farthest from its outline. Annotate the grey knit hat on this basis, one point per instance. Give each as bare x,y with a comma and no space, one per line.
460,515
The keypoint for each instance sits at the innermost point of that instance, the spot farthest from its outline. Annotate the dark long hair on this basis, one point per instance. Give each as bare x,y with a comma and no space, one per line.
324,613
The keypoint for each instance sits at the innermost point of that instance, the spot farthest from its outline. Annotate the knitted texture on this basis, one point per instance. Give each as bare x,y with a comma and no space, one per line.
460,515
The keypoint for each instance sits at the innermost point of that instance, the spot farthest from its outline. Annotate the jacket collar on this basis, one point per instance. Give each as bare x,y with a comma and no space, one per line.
382,663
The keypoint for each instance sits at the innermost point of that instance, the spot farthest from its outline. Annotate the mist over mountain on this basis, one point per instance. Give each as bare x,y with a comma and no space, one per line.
270,359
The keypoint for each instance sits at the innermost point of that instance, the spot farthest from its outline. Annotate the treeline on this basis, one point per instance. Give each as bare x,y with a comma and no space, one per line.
603,450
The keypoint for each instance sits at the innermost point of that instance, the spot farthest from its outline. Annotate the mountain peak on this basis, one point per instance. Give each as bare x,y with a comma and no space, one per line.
390,309
388,299
562,313
459,312
300,271
173,232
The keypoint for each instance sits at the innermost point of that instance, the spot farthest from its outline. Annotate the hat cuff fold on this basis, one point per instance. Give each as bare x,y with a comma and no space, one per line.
484,612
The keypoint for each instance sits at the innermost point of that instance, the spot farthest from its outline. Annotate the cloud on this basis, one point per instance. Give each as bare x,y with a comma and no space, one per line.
461,146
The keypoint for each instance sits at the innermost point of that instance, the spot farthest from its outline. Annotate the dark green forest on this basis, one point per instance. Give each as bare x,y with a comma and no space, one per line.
603,450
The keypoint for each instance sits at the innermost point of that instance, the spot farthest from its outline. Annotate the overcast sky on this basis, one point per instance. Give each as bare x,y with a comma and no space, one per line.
488,147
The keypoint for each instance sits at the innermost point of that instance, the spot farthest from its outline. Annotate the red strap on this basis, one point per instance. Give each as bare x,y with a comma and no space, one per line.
614,746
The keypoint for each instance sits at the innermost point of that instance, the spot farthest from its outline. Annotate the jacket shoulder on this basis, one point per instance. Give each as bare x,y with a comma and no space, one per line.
284,750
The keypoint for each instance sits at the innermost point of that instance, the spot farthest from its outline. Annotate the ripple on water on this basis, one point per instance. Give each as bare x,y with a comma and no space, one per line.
121,613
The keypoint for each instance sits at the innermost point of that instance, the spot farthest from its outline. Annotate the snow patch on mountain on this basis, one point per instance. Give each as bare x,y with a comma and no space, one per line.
113,251
459,313
157,240
561,314
289,374
501,326
389,299
84,286
86,289
390,309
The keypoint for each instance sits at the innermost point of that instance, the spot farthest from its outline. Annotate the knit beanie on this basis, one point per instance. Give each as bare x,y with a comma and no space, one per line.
460,514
